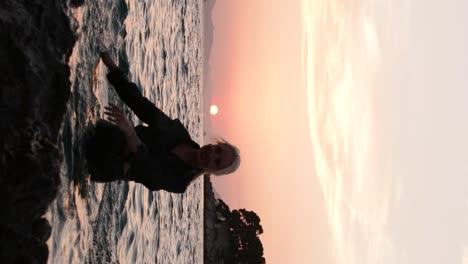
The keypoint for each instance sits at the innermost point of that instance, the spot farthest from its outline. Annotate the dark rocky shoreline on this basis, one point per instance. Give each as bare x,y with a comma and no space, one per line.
230,236
216,235
36,43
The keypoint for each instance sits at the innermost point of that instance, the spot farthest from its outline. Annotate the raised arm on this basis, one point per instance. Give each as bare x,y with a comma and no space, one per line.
131,95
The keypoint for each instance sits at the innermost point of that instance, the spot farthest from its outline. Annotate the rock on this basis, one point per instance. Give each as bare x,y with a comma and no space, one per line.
41,229
217,245
34,49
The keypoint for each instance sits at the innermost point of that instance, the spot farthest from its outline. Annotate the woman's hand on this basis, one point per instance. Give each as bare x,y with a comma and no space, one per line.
117,116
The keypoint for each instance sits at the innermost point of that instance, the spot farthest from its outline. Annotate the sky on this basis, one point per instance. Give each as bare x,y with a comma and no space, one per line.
350,118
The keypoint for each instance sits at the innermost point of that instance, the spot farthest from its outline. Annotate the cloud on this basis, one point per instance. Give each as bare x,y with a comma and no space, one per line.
353,162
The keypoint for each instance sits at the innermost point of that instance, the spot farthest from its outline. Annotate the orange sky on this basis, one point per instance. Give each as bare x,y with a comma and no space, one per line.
257,84
351,120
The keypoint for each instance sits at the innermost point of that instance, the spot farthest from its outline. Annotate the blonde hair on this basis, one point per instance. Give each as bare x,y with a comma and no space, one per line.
236,158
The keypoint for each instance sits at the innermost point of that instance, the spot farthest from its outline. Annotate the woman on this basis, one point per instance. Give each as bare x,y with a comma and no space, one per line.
161,156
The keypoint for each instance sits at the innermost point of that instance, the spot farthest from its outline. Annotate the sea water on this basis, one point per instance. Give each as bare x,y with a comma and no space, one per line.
159,44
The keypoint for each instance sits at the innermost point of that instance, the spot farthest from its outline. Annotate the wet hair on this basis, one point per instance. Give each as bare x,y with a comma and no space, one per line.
236,158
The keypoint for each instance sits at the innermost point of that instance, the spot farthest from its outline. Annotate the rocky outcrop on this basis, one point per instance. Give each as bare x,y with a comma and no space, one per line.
231,236
35,45
216,233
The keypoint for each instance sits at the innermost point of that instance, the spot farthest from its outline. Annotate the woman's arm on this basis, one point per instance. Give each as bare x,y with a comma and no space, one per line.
131,95
108,61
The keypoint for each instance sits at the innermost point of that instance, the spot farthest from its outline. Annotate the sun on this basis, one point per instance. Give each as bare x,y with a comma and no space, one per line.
213,109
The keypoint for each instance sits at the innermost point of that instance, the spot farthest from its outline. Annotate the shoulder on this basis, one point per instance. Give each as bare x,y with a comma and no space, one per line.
180,130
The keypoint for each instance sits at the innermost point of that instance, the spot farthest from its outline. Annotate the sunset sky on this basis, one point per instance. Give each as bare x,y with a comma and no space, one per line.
351,120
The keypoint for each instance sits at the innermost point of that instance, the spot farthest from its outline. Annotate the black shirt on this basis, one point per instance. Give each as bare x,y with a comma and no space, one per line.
154,165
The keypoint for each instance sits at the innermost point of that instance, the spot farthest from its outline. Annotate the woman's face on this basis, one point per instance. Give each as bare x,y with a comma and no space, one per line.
215,157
